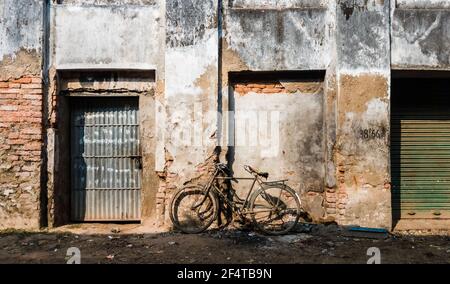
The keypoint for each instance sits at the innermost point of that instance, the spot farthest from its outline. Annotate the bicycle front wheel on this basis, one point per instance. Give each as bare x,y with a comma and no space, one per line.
275,209
193,210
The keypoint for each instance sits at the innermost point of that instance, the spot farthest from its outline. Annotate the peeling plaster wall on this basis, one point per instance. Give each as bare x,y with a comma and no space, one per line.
20,38
281,133
421,38
278,36
191,68
192,51
103,36
422,4
20,114
109,2
271,4
107,35
287,38
361,155
363,36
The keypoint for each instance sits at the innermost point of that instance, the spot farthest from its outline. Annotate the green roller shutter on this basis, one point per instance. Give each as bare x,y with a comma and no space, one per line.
420,162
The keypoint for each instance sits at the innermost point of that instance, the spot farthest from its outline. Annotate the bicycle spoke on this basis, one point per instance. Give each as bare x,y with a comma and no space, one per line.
279,198
275,212
192,210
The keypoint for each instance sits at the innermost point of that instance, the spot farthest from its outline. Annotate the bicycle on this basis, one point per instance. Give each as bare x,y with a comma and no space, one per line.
274,208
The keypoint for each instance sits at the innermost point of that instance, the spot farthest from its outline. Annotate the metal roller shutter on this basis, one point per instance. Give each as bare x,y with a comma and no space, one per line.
420,161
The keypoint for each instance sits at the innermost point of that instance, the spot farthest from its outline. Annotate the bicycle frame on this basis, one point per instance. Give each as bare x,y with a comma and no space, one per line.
232,203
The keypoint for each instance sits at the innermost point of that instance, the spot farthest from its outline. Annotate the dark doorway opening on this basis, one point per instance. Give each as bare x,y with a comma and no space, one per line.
420,145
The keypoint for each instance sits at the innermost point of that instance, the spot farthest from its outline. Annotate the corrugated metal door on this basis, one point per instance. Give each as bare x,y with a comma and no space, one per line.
420,161
106,175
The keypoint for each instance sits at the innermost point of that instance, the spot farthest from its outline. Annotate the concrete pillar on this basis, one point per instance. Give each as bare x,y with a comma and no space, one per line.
191,76
362,144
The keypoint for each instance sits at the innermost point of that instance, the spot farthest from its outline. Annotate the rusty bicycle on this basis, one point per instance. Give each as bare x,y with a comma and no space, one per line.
273,207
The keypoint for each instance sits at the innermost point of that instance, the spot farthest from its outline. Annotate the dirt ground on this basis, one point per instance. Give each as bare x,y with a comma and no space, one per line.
312,244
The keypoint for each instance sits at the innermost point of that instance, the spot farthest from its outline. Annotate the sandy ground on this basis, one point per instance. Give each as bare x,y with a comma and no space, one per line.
313,244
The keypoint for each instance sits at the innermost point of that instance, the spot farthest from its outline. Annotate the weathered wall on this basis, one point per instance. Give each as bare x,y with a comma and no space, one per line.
282,36
362,144
279,35
20,113
125,36
421,37
190,95
279,129
106,36
193,48
263,4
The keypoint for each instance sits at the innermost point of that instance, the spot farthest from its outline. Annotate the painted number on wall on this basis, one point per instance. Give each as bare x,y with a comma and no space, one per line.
371,133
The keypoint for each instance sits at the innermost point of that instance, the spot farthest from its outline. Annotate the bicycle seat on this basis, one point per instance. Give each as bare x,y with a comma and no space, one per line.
257,172
222,166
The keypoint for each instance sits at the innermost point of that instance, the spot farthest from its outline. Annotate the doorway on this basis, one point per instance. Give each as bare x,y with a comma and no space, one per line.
105,159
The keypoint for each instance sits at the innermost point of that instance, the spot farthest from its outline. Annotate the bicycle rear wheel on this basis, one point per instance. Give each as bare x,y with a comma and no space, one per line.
192,210
275,209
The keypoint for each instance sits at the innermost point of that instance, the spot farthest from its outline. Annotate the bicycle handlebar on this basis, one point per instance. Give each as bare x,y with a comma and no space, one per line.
249,169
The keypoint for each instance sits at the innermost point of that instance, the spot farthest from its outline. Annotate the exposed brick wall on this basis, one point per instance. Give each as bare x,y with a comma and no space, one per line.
277,86
171,181
337,198
20,151
267,88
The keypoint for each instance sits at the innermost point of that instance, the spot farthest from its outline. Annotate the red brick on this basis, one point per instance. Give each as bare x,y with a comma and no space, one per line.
13,158
5,147
13,135
35,137
31,158
36,114
26,114
31,86
32,97
24,103
31,131
31,91
271,90
239,90
28,119
331,200
8,96
32,146
16,141
28,153
5,101
36,80
6,118
28,168
4,85
24,80
23,175
9,91
262,86
14,85
8,107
